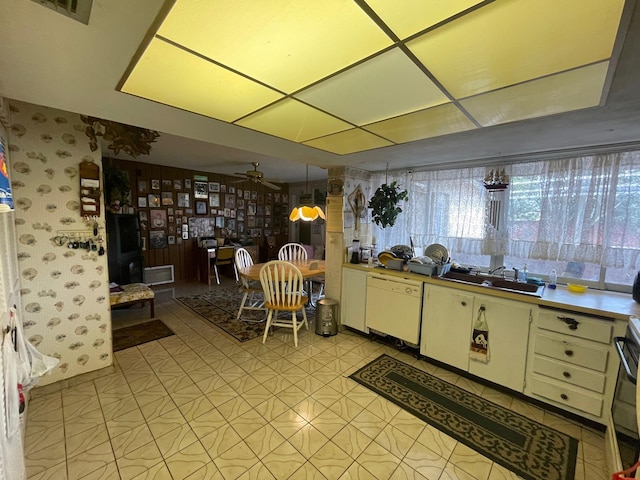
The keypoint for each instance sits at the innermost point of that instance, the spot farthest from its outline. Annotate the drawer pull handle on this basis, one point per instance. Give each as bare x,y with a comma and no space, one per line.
564,396
568,353
566,374
571,322
464,304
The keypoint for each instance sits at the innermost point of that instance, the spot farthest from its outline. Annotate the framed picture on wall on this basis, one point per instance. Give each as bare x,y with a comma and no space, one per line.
142,202
177,184
158,239
214,200
158,219
142,214
200,189
154,200
201,208
142,186
229,200
155,184
167,198
183,200
187,183
172,239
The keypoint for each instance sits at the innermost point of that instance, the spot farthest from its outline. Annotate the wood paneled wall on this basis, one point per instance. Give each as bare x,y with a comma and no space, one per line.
269,209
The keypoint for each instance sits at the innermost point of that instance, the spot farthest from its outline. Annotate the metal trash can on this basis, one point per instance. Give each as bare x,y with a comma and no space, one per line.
327,317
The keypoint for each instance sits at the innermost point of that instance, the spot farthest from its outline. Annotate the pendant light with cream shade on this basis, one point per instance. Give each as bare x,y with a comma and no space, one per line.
306,213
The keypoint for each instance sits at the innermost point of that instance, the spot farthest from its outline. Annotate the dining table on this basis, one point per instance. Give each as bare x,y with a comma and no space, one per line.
308,268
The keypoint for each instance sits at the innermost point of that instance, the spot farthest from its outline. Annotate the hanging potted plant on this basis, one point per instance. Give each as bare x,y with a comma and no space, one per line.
384,204
117,187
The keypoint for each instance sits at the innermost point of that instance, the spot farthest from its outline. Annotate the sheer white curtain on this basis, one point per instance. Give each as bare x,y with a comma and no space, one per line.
584,209
445,206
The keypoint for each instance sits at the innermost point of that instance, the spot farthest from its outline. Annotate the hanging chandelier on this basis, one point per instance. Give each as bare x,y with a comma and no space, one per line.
307,212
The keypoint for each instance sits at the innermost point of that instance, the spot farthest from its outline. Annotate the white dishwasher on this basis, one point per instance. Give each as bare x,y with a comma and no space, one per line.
393,306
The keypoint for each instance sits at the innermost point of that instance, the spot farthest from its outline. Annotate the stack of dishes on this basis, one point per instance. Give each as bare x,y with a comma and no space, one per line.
385,256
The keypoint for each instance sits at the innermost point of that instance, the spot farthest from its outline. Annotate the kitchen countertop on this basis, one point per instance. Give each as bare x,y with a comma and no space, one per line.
592,302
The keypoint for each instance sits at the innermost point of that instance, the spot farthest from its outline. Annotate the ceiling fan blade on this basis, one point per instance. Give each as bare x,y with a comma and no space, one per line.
270,185
240,180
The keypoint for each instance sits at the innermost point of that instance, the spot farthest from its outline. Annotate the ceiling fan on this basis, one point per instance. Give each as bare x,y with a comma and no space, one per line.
256,176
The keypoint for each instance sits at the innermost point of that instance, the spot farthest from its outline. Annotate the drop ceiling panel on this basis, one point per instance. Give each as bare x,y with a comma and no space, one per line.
407,17
385,86
351,141
169,75
283,43
440,120
508,42
574,90
294,121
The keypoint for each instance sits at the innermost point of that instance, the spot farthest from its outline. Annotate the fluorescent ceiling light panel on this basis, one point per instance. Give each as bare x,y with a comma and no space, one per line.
440,120
294,121
573,90
172,76
385,86
508,42
311,71
285,44
351,141
407,17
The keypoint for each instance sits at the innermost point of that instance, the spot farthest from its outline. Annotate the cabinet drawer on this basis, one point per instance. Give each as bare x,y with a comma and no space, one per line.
562,348
568,373
576,325
567,395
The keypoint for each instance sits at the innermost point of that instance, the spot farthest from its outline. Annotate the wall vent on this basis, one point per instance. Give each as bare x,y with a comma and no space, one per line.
158,275
79,10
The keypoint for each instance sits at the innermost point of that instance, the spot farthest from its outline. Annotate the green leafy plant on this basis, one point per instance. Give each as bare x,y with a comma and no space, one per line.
384,204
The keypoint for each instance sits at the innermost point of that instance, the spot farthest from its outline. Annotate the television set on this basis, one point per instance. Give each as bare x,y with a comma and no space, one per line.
124,248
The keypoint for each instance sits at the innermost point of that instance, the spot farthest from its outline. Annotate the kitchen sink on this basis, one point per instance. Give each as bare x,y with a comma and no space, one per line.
494,282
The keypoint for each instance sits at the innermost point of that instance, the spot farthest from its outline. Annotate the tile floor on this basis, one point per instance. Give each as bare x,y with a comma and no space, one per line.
198,405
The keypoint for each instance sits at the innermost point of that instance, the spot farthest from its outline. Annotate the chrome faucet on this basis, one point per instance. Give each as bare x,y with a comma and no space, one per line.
516,274
497,269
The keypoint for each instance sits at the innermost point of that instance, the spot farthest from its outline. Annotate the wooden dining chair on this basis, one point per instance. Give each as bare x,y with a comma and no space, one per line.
252,290
291,252
282,283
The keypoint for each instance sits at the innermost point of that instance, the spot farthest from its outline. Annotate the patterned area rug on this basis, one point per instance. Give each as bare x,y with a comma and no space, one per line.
530,449
220,307
128,337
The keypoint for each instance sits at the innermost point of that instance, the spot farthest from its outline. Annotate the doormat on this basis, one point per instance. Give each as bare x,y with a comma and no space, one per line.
527,448
220,307
138,334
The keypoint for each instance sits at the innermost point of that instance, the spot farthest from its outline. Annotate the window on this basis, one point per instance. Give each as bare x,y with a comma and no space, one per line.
579,216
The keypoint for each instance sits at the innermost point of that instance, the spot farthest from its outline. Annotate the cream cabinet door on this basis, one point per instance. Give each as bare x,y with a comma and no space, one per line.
354,299
446,325
508,323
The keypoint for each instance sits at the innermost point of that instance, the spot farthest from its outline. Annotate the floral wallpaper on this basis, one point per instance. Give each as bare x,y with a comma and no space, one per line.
64,291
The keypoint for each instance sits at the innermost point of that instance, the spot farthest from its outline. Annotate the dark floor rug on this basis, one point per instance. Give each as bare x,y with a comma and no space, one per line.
138,334
527,448
220,307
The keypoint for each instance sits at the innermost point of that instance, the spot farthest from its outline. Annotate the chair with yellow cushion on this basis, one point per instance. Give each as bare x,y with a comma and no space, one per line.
224,256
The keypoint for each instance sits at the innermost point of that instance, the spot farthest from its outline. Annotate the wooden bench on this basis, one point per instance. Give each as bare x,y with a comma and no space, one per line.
128,295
